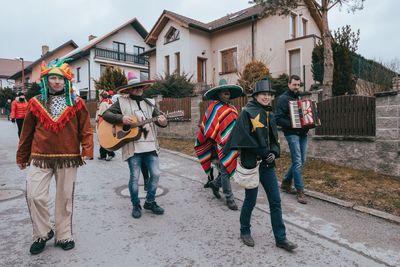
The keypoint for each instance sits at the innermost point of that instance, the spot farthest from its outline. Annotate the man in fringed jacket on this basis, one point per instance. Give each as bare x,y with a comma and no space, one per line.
56,139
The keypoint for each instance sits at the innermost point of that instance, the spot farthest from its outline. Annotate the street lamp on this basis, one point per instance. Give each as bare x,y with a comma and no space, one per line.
23,72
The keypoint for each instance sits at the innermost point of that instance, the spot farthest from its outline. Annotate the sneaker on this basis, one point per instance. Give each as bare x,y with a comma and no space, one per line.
153,207
301,198
109,158
247,240
231,204
101,158
66,244
39,244
286,245
287,187
215,190
136,211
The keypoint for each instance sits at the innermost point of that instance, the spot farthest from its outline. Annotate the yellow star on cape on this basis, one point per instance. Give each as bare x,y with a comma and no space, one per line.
256,123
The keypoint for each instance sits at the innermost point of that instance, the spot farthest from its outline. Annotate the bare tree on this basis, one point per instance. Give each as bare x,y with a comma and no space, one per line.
317,8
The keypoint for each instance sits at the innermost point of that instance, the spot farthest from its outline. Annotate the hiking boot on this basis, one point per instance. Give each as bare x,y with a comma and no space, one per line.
101,158
66,244
231,204
136,211
153,207
301,198
215,190
287,187
109,157
247,240
286,245
39,244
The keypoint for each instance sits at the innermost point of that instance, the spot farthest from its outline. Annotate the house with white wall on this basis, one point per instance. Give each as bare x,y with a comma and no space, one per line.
119,48
221,48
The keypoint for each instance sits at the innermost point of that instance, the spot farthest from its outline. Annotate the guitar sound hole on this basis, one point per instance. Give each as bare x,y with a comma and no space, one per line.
126,128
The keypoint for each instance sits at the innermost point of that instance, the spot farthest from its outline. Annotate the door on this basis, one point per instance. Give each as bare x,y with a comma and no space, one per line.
201,70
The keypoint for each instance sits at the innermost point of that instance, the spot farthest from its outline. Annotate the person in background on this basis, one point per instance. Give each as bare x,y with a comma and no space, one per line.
296,139
18,111
105,103
7,108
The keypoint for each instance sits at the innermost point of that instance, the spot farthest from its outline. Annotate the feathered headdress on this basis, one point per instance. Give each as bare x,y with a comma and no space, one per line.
60,68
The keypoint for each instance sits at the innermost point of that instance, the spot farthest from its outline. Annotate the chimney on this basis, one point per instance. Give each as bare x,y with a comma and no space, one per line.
91,37
45,49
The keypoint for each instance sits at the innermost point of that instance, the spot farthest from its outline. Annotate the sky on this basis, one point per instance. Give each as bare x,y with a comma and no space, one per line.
26,25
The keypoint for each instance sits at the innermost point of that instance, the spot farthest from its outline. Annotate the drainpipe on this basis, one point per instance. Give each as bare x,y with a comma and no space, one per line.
252,37
89,97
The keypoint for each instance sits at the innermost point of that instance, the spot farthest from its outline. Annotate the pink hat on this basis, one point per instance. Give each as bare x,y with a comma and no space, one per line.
134,83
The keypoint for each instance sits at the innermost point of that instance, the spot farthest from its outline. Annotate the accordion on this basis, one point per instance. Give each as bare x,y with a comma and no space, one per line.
304,114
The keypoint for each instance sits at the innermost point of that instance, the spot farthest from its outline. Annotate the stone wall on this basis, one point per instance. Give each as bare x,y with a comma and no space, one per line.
380,153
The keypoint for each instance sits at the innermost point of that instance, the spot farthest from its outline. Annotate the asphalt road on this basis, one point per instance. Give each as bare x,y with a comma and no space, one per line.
196,229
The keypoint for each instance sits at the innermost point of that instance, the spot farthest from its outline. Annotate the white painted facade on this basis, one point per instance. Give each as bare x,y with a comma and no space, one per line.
90,65
272,44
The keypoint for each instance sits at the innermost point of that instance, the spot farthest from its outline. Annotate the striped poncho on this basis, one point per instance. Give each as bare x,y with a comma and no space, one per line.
215,128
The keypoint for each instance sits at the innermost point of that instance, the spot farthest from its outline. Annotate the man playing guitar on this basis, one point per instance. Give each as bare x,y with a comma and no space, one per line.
129,109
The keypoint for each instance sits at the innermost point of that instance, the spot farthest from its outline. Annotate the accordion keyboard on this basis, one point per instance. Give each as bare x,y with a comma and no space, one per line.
294,114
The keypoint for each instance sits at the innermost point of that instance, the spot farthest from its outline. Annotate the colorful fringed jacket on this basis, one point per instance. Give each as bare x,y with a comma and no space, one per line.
215,128
55,141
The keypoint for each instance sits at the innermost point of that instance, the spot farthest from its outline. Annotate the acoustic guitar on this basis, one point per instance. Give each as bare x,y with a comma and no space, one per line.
114,136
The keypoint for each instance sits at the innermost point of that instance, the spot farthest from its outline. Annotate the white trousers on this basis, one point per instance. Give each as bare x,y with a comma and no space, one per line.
37,196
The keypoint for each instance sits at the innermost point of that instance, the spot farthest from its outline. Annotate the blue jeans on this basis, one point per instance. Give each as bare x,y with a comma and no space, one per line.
150,159
223,180
270,183
298,153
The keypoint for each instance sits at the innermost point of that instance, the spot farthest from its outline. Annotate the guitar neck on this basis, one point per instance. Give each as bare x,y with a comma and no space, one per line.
141,123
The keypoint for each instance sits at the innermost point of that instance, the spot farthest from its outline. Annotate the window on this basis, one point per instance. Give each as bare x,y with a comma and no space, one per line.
78,74
172,35
294,62
304,26
166,65
137,50
229,60
293,25
178,63
144,75
120,48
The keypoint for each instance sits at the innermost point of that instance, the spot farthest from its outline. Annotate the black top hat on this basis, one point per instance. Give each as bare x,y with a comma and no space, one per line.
263,85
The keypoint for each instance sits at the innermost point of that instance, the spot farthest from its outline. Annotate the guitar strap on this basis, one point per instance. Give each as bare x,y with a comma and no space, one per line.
154,106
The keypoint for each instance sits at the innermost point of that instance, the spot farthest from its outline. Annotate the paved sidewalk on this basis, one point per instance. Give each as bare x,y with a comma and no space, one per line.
196,229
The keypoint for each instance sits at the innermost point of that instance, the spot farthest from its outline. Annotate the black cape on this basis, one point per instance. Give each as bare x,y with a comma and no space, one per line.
255,134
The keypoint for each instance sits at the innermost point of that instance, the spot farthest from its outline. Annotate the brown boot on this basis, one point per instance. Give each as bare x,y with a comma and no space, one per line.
287,187
301,198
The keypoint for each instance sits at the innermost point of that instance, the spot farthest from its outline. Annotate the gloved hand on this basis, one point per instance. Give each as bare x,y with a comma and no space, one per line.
13,120
270,158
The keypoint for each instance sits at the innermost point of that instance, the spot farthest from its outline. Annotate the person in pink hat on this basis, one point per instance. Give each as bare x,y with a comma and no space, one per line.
144,150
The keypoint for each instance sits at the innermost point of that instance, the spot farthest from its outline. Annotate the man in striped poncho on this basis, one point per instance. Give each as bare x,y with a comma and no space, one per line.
213,134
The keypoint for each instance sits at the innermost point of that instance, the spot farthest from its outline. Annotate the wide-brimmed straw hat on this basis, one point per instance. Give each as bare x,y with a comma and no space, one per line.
235,90
134,83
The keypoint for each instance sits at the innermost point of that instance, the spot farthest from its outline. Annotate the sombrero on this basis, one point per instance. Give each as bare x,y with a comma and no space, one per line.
235,90
134,83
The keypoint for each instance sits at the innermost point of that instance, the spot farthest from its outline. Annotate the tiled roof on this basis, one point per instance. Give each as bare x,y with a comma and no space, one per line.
225,21
39,60
11,66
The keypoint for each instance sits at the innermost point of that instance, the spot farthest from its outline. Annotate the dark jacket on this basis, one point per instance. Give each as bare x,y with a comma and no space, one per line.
282,115
255,135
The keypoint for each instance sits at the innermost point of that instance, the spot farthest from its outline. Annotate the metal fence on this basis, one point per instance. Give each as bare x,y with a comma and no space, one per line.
347,116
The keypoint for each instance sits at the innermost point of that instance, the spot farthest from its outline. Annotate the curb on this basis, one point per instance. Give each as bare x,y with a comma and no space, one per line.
321,196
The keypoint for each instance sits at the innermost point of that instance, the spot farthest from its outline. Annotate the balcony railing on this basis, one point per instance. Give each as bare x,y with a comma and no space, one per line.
120,56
